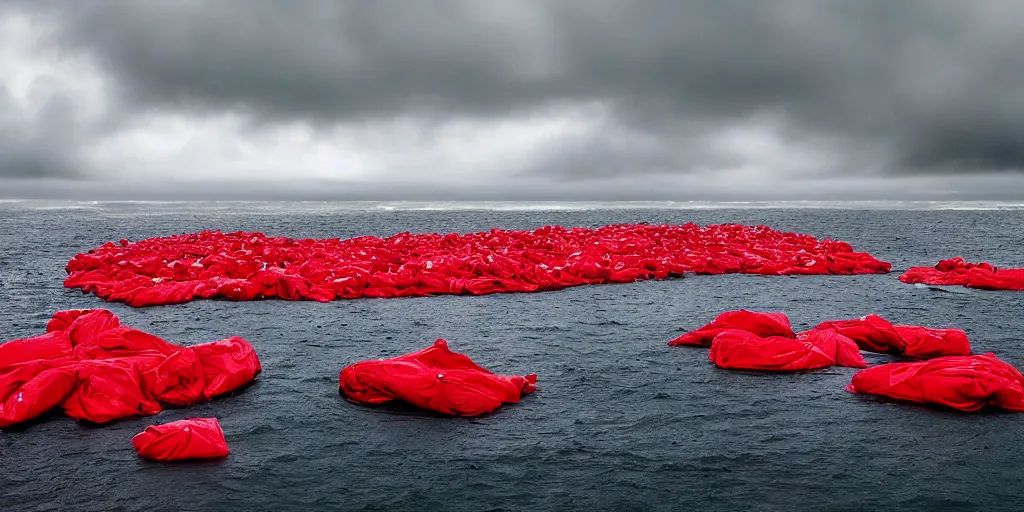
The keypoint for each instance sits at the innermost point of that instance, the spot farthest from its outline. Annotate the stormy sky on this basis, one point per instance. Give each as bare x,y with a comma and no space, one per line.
512,99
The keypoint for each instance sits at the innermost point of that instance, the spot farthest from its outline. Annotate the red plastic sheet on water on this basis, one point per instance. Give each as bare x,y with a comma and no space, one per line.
99,370
434,378
248,266
956,271
967,383
876,334
188,439
742,350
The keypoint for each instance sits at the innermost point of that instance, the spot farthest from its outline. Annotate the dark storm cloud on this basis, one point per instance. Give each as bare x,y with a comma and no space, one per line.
926,86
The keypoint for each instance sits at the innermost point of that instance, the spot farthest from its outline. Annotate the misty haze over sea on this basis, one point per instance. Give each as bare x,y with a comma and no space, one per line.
247,207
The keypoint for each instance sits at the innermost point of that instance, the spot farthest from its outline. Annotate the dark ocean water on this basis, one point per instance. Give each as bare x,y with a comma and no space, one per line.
621,421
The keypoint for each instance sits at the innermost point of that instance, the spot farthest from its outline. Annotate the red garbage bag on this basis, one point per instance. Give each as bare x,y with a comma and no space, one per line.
434,378
967,383
742,350
925,343
111,389
121,341
932,276
31,389
188,439
52,345
1004,279
956,271
877,334
62,319
871,332
178,380
89,325
227,365
757,323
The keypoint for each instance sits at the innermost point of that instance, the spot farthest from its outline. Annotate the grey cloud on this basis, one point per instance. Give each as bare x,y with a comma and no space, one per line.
43,145
613,152
1003,187
930,86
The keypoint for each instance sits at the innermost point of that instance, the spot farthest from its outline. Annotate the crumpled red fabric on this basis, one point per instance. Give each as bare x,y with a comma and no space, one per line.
49,346
956,271
751,340
754,322
98,370
178,380
227,365
247,266
736,349
434,378
876,334
925,342
967,383
111,389
188,439
30,389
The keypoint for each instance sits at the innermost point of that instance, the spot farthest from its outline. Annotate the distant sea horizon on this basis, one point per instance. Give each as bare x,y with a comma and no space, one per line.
465,205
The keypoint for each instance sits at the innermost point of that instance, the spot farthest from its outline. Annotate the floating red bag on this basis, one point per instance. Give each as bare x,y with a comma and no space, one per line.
926,343
121,341
33,388
179,380
88,325
760,324
61,320
877,334
956,271
1005,279
52,345
742,350
188,439
227,364
434,378
967,383
871,332
111,389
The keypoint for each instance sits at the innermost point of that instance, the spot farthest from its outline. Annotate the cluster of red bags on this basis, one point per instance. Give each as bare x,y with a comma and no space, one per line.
247,266
956,271
188,439
950,375
434,378
751,340
968,383
872,333
98,370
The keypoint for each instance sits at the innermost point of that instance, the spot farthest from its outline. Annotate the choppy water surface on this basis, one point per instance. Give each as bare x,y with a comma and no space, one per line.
621,421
